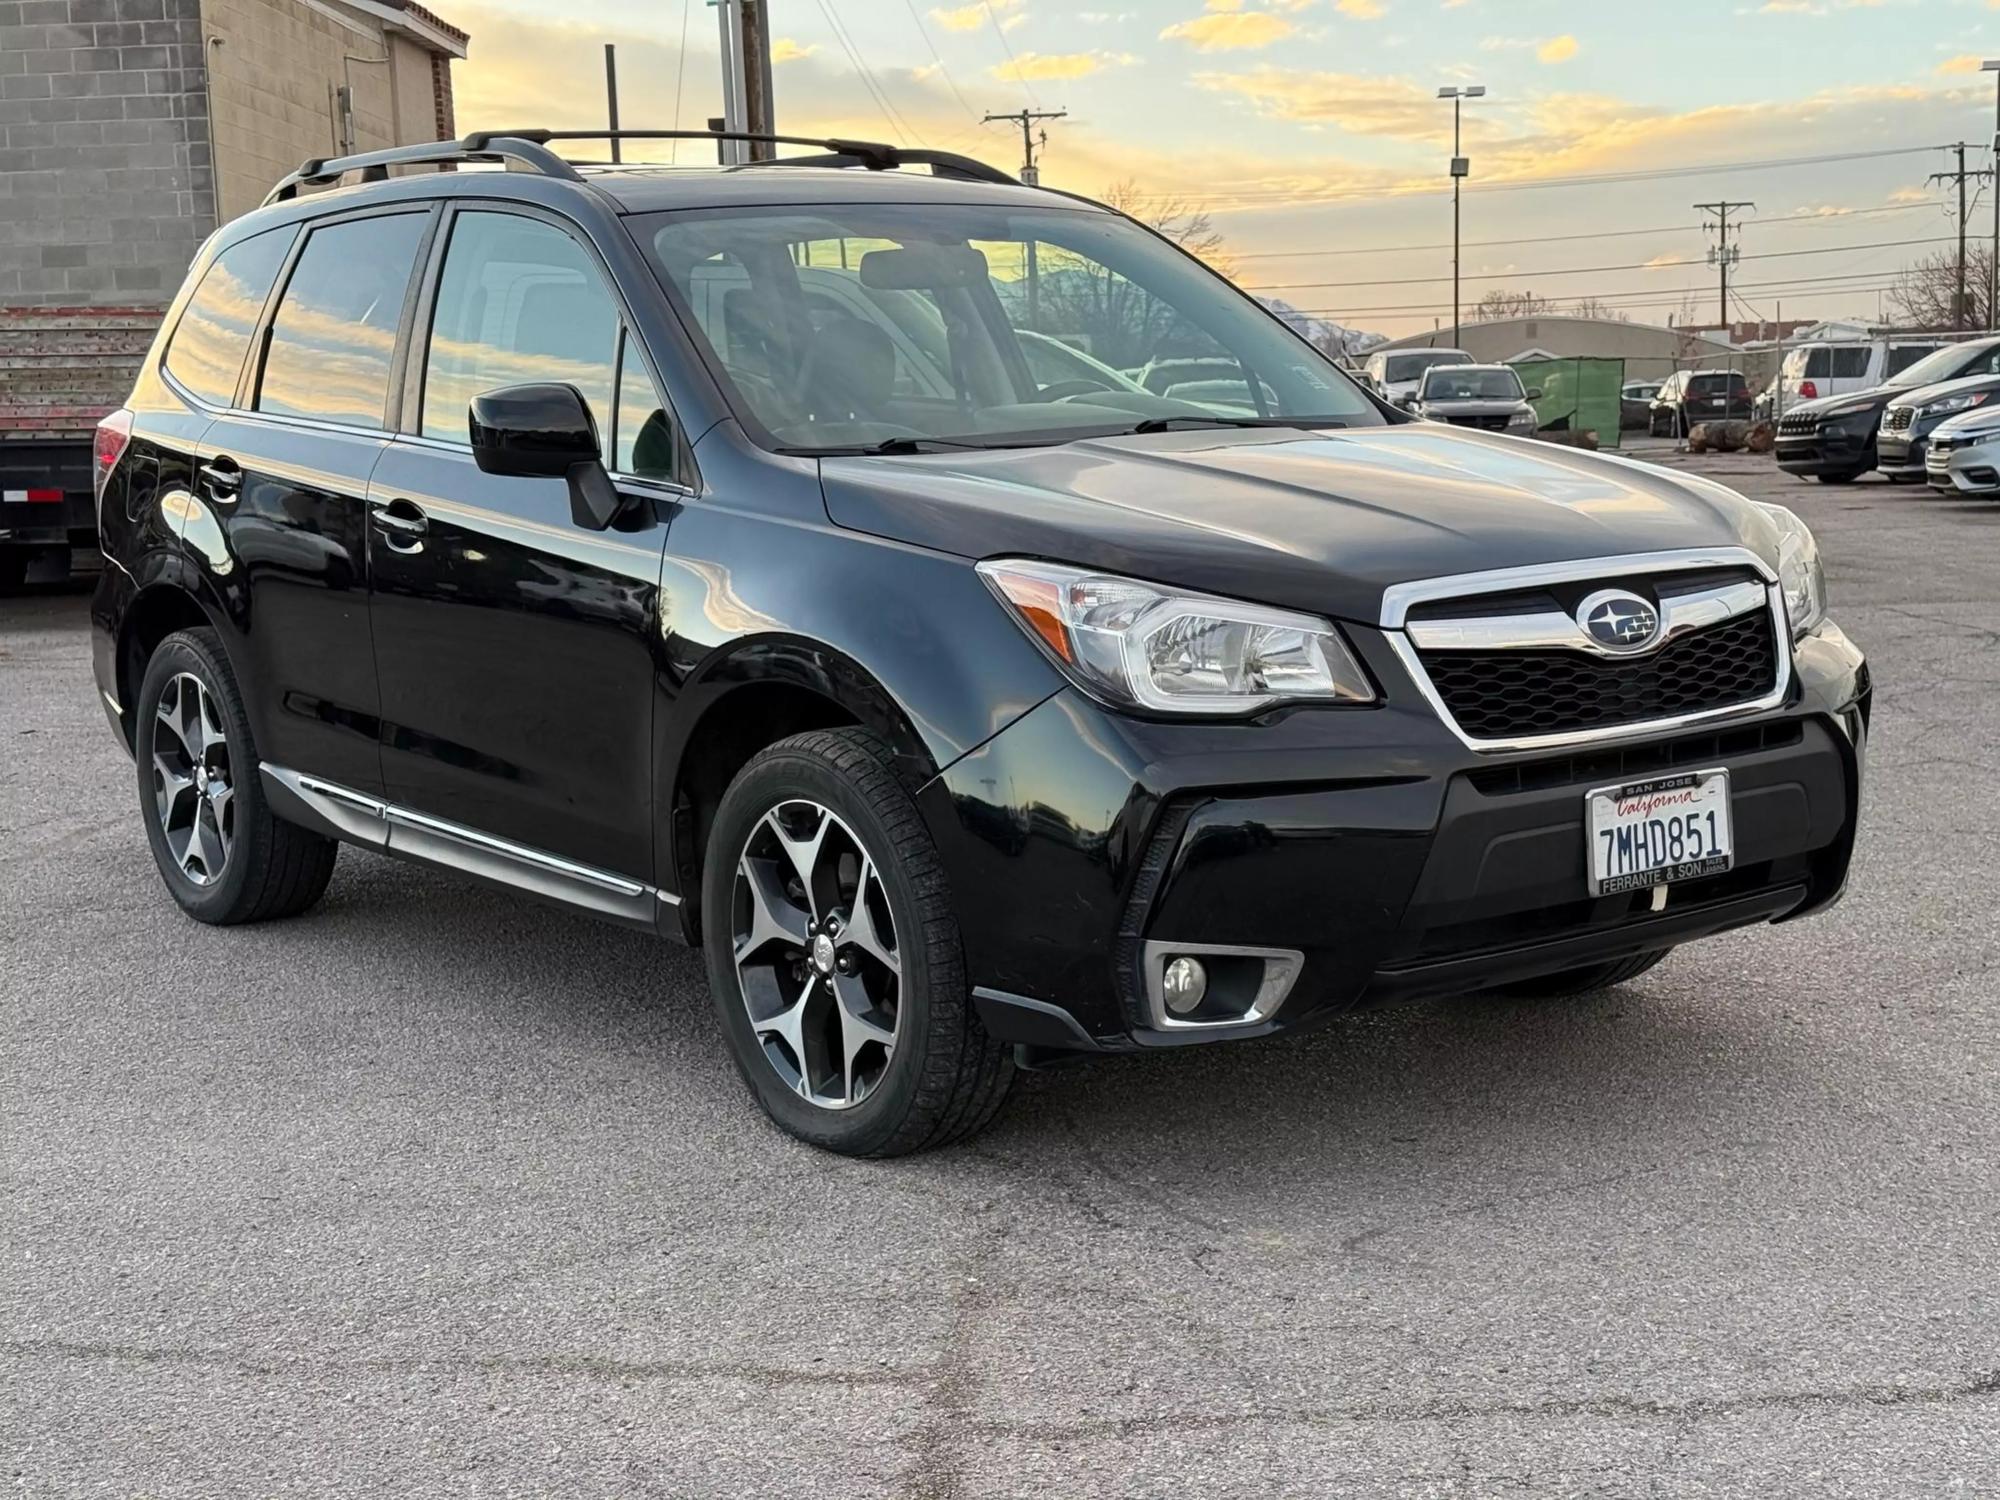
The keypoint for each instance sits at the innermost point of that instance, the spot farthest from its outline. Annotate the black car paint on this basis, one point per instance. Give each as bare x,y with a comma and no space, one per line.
553,685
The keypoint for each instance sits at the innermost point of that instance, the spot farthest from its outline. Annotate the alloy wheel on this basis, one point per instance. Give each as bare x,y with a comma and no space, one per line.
193,791
815,949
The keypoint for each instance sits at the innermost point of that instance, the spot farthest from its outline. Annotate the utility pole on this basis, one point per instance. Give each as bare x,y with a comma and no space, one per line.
746,77
1026,118
1992,65
1958,176
1722,253
611,95
1461,168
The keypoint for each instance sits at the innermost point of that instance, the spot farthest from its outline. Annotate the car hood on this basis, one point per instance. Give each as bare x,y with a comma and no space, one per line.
1981,422
1321,521
1923,395
1879,396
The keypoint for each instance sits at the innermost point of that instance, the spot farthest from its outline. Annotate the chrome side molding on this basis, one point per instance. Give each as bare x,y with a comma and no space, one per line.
344,813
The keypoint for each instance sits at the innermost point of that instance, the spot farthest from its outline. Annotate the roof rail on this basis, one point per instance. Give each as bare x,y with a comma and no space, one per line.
530,149
374,165
876,156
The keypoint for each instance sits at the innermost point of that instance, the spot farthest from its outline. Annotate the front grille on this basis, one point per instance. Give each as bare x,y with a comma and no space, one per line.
1498,695
1899,419
1490,423
1801,425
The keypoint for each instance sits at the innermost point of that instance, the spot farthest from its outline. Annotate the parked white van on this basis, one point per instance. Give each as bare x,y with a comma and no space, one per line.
1812,371
1396,373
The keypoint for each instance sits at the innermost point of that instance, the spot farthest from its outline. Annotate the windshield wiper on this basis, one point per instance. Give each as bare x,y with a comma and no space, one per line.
1171,424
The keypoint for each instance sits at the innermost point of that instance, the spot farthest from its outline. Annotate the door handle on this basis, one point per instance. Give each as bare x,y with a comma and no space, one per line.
402,523
221,477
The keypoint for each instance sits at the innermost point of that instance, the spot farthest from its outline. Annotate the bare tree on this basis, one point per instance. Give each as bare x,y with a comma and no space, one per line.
1501,304
1594,307
1925,293
1082,301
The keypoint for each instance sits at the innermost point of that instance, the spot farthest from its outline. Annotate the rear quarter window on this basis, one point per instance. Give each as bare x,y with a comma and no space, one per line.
206,352
333,337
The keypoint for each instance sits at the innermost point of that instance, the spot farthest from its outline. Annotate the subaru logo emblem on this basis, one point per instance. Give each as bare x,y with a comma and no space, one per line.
1618,621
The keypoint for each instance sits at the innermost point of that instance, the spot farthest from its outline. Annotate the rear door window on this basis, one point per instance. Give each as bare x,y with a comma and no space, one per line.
519,302
206,354
1849,364
333,338
1902,356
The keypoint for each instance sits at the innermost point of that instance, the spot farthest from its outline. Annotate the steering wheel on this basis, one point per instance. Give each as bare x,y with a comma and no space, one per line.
1063,390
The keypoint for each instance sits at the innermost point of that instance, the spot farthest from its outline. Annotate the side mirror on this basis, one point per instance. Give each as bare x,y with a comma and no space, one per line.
545,431
1534,393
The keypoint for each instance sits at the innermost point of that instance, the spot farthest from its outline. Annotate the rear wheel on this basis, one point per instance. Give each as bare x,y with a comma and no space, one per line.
225,857
13,569
1845,478
1569,983
833,954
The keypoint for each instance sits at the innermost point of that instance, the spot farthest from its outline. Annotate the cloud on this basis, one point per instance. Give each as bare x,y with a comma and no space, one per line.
1037,66
1557,49
785,50
1661,262
1230,31
1790,8
1359,103
972,17
1965,62
1223,5
1361,10
1911,194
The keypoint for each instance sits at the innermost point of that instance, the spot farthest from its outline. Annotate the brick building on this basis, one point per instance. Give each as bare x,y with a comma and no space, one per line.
129,129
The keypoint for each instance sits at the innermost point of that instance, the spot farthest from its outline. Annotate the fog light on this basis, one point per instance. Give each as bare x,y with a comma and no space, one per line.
1184,985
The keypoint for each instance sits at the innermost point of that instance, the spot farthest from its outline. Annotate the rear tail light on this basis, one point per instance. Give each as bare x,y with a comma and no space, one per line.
113,433
1808,391
43,497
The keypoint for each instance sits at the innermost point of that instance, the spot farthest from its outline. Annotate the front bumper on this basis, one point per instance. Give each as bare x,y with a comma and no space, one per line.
1971,470
1389,858
1900,455
1830,448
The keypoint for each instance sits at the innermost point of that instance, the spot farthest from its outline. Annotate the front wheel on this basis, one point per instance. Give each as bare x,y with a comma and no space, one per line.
1569,983
834,957
1843,478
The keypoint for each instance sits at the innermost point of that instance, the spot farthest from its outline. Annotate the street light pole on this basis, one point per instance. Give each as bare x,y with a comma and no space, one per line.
1459,170
1992,65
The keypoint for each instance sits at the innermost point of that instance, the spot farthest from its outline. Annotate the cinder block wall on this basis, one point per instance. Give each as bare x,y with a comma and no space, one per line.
105,187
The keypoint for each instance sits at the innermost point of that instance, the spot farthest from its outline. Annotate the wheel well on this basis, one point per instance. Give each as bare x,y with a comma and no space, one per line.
155,614
732,731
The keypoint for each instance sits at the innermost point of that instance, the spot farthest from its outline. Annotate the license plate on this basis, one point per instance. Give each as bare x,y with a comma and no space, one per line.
1648,833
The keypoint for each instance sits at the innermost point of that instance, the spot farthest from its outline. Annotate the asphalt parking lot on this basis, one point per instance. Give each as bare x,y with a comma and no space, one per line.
436,1192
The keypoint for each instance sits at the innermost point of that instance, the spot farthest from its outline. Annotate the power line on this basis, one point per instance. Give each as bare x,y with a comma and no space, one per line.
1815,221
1638,296
680,78
1019,77
1640,265
1593,179
896,121
930,42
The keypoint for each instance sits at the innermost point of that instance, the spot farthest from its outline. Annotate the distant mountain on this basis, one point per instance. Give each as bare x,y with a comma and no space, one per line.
1329,336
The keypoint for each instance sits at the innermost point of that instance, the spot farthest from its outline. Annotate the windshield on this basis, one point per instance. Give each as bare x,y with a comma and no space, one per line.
850,326
1401,367
1943,364
1446,384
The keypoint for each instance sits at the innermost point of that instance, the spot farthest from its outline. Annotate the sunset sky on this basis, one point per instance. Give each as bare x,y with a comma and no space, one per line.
1311,130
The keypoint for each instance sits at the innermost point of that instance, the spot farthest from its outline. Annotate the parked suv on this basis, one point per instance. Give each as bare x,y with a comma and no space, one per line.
1910,418
966,719
1689,397
1833,439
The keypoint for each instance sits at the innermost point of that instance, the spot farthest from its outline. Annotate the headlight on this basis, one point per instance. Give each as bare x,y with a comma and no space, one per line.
1521,421
1799,571
1950,404
1142,645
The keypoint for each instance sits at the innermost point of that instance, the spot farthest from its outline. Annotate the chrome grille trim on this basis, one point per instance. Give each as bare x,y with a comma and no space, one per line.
1552,630
1398,631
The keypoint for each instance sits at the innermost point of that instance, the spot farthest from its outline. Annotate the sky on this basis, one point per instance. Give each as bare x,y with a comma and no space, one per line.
1311,132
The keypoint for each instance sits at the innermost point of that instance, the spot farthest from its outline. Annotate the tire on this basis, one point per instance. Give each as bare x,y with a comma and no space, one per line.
1836,478
13,569
1569,983
830,801
265,867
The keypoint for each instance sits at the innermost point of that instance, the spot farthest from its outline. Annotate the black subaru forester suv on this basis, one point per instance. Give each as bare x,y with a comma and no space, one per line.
792,559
